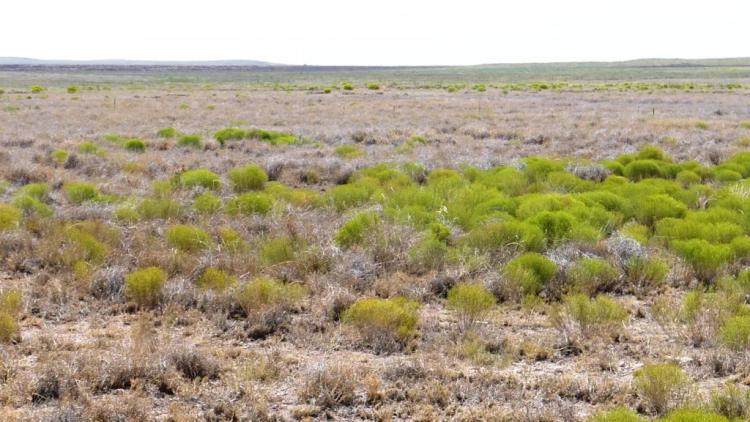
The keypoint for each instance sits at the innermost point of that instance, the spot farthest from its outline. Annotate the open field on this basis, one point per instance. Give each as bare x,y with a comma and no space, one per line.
447,244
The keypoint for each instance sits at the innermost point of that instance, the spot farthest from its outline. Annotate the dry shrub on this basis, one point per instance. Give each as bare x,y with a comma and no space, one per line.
328,386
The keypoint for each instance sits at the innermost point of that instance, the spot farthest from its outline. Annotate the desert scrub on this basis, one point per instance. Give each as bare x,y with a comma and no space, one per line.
646,273
349,196
470,301
384,324
278,250
529,272
229,134
80,192
731,402
660,385
248,178
32,206
188,238
89,148
250,203
592,275
693,415
157,208
207,203
735,332
134,145
599,316
356,229
59,156
231,241
10,217
200,178
620,414
263,293
349,152
127,214
192,141
215,279
705,258
144,286
10,307
167,132
36,89
373,86
650,209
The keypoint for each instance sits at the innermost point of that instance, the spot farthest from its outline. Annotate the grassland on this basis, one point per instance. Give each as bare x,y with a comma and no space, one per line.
470,244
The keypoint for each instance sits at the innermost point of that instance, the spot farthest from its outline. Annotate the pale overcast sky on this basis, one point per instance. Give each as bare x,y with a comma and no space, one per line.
383,32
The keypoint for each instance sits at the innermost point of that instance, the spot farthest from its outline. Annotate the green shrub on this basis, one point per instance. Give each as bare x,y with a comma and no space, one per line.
153,208
384,324
690,415
72,89
650,209
349,151
731,402
592,275
530,272
60,156
470,301
620,414
356,229
231,240
700,124
144,286
643,169
373,86
135,145
9,217
127,215
495,237
31,205
215,279
36,89
38,191
727,175
687,178
228,134
250,203
188,238
248,178
80,192
200,177
348,196
347,86
735,332
192,141
9,330
10,307
207,203
262,293
167,132
595,316
556,225
89,148
659,384
645,273
652,152
706,258
272,137
278,250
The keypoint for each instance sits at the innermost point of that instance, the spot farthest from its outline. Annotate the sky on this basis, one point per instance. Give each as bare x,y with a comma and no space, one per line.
383,32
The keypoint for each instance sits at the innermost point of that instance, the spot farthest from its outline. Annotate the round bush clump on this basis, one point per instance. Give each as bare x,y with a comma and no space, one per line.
144,286
592,275
135,145
80,192
188,238
250,203
167,132
384,324
470,301
248,178
200,178
659,383
354,231
278,250
207,203
215,279
192,141
496,237
735,333
9,217
530,272
262,293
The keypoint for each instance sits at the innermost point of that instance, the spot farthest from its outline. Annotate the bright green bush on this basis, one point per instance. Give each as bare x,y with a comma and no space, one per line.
652,152
349,151
470,302
36,89
530,272
248,178
430,253
72,89
89,148
215,279
689,415
384,324
188,238
250,203
620,414
706,258
192,141
200,177
31,205
262,293
556,225
659,383
135,145
643,169
495,237
687,178
650,209
348,196
278,250
9,217
373,86
272,137
207,203
731,402
153,208
60,156
144,286
601,315
645,273
167,132
80,192
228,134
127,215
355,230
735,332
231,240
592,275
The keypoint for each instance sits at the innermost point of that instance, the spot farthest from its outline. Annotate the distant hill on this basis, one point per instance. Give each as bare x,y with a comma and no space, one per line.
117,62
